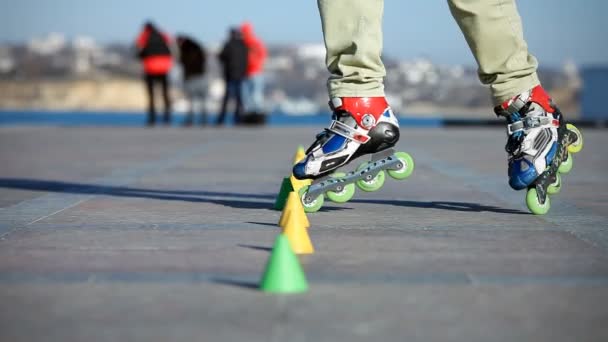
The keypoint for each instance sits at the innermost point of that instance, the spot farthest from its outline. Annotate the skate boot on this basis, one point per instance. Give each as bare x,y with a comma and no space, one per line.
539,146
361,126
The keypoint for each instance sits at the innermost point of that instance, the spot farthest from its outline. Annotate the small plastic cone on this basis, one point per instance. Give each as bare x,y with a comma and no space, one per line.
293,211
297,184
300,154
283,273
281,199
284,215
298,236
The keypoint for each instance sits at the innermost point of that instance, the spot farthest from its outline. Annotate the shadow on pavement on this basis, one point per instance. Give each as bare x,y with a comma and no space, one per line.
257,248
236,283
167,195
263,223
216,197
445,205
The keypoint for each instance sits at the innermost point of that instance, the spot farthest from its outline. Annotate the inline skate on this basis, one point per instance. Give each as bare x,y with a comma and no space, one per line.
540,145
360,126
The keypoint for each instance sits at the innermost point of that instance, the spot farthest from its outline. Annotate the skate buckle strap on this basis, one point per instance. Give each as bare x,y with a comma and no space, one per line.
348,132
514,105
517,104
530,122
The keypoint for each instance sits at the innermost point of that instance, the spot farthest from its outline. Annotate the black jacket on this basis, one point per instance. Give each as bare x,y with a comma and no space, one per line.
234,59
155,45
192,57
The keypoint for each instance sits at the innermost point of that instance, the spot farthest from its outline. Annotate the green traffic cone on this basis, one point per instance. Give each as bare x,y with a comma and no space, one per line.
283,272
281,199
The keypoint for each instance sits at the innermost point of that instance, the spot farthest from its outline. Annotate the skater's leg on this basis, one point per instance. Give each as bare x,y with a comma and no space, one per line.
493,30
538,136
363,121
352,30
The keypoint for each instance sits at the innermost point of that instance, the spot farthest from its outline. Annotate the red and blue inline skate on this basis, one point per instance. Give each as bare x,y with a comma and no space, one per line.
361,126
540,146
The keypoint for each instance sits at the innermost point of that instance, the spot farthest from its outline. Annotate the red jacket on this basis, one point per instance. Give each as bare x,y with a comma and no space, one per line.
157,61
257,51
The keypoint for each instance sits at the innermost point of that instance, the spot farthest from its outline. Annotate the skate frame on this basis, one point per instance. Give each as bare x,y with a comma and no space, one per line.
384,160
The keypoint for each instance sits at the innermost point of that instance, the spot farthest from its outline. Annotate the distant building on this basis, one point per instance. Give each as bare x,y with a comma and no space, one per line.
49,45
7,63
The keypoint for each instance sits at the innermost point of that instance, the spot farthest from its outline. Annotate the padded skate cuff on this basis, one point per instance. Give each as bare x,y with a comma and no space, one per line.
348,132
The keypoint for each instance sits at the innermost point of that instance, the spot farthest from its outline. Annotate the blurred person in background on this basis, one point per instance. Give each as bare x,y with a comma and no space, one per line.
538,140
193,58
234,61
253,87
153,49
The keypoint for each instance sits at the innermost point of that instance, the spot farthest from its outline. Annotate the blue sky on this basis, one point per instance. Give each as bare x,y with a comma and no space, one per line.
556,30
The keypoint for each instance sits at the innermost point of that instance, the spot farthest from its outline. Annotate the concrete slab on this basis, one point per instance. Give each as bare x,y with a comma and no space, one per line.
162,234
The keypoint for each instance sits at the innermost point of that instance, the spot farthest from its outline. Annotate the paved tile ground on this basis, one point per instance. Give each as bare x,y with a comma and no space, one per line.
125,234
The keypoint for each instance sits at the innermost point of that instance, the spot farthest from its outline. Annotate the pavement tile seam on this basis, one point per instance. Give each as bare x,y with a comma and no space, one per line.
317,226
20,277
35,210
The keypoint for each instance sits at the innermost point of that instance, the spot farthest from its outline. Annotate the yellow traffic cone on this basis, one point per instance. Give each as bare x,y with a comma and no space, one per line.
300,154
298,237
297,184
294,223
293,211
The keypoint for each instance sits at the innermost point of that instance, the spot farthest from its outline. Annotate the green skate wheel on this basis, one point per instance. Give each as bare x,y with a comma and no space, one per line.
372,184
534,205
578,145
347,192
554,188
566,165
312,206
406,169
